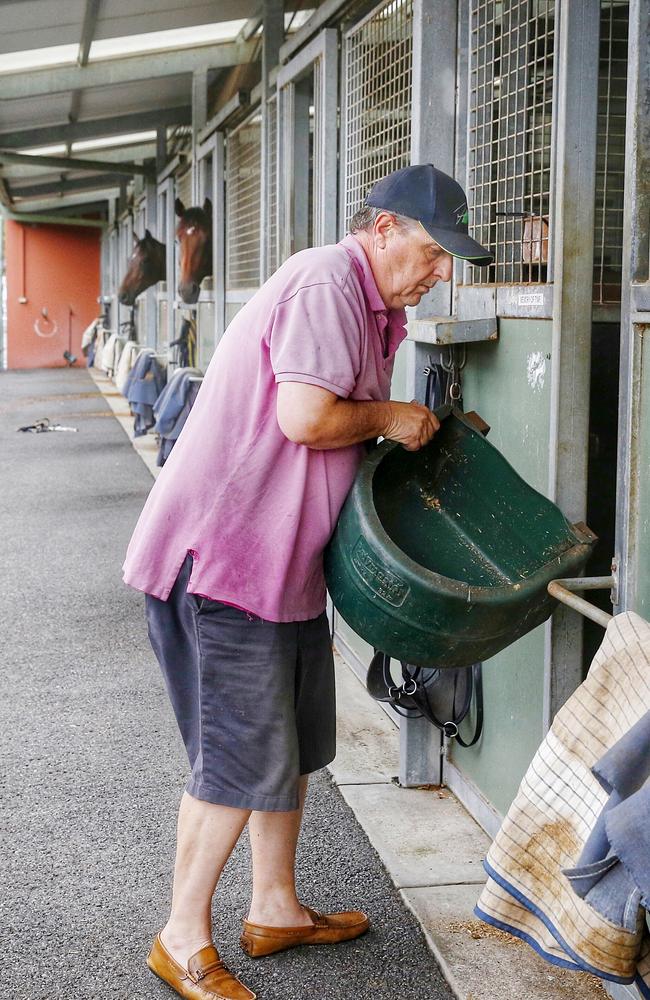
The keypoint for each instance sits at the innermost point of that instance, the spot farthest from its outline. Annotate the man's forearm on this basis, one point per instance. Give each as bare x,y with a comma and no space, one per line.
315,417
350,421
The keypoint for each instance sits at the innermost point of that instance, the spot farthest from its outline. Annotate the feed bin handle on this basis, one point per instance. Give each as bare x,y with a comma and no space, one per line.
562,590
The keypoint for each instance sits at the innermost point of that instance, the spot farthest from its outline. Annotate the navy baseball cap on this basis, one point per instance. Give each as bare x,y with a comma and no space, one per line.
438,203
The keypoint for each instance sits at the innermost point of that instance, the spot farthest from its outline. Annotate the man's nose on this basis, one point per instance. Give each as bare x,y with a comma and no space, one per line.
444,268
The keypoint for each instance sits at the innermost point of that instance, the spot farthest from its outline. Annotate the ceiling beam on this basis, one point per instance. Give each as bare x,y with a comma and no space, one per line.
75,105
72,163
76,199
125,69
5,197
87,31
86,207
63,186
87,34
251,27
25,175
97,128
58,220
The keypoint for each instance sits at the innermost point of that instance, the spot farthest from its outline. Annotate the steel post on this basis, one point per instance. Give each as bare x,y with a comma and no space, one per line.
635,308
576,82
272,39
432,141
199,118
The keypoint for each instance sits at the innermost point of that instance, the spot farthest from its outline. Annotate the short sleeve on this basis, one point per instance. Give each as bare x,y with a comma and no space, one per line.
316,337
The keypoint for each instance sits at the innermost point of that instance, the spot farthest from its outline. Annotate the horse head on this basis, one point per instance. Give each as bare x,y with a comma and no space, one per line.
194,233
146,267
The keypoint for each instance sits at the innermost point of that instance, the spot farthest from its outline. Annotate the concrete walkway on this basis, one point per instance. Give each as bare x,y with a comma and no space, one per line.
93,767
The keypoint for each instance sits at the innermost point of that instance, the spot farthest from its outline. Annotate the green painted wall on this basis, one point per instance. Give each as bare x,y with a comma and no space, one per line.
508,383
643,560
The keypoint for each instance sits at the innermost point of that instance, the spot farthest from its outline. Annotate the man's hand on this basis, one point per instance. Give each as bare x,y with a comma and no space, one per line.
411,424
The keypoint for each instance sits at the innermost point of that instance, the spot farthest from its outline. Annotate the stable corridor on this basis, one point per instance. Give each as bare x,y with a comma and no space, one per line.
93,767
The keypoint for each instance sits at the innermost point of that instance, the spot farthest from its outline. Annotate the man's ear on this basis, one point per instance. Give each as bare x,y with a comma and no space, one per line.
384,225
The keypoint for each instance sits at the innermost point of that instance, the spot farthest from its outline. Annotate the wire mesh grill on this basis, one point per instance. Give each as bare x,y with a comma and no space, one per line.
610,151
272,187
377,66
243,194
512,46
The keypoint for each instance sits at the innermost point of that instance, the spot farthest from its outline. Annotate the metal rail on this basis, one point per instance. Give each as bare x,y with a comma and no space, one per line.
562,590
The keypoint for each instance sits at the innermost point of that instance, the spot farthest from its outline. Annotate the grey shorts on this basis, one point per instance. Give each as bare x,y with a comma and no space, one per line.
254,699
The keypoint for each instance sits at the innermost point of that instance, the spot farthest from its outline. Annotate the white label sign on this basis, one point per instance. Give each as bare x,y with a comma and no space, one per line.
531,299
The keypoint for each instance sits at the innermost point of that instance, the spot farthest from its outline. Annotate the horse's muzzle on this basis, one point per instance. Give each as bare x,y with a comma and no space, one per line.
189,292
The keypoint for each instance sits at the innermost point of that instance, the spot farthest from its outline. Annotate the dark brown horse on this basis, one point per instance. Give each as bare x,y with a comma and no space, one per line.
146,267
194,233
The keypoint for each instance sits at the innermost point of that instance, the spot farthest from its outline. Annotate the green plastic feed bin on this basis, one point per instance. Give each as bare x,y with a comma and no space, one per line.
441,557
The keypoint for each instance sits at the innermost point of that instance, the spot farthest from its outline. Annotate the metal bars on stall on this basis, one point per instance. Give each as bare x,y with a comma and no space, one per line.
271,228
243,212
610,163
376,104
511,85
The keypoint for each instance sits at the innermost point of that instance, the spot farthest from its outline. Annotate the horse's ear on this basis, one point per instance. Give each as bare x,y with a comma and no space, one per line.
147,235
207,207
136,239
179,207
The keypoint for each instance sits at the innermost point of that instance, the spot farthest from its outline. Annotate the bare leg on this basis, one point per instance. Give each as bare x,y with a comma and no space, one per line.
274,839
207,834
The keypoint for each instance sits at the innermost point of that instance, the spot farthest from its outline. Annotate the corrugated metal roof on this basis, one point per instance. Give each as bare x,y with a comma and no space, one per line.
89,98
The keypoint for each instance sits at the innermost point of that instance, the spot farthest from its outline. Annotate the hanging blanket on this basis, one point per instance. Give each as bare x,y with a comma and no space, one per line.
569,870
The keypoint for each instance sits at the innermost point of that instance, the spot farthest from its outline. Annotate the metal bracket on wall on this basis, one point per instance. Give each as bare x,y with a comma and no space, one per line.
640,303
562,590
449,330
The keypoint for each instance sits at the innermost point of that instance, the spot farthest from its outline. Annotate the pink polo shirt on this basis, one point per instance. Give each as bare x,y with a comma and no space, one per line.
255,509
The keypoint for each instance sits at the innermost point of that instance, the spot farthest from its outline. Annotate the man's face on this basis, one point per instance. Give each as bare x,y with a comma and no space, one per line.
411,263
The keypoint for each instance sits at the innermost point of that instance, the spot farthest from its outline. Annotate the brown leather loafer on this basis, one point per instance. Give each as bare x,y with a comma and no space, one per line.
327,928
206,977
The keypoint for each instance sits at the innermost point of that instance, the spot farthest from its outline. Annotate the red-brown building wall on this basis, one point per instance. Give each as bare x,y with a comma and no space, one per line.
54,268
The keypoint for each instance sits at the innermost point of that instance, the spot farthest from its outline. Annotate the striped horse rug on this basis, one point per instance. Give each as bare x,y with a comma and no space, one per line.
569,870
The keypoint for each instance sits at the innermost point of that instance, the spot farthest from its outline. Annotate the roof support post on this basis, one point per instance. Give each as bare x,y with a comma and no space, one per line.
151,307
170,263
219,234
576,82
161,148
199,119
113,263
433,126
633,485
272,39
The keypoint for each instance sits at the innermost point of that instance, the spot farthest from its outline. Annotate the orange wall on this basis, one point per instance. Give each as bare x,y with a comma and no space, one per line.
60,272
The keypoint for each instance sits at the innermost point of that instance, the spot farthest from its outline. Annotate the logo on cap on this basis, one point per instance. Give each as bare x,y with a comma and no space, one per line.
462,215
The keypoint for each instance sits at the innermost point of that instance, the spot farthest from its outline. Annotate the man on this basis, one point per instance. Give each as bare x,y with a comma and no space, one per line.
228,550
